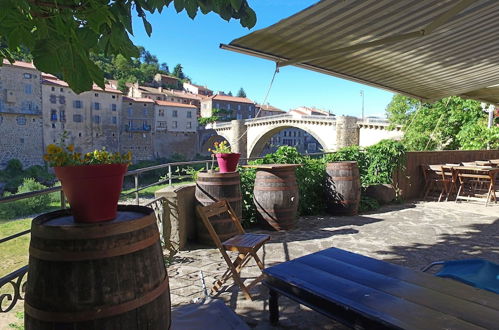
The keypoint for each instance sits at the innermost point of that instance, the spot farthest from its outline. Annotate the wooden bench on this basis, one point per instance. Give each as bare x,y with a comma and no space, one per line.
362,292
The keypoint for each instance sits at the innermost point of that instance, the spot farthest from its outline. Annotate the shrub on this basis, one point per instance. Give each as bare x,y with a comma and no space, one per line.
26,206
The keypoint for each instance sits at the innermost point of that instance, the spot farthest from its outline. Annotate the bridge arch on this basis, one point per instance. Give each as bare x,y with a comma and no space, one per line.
256,146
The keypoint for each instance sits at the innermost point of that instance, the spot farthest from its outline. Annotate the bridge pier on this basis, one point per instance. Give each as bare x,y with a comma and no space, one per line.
239,137
347,132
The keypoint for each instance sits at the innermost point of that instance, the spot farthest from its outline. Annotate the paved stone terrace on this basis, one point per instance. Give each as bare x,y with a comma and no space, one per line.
410,235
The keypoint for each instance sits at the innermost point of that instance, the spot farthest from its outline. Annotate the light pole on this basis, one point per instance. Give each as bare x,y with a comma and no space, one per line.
362,95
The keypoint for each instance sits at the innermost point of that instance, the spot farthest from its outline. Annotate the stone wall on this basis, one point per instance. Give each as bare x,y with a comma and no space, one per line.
168,143
136,134
21,138
21,135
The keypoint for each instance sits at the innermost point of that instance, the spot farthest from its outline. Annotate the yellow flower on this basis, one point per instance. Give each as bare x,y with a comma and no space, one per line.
71,147
51,149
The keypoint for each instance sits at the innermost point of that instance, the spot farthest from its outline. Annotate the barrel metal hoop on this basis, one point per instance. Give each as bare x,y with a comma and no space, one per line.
211,200
219,183
93,255
277,180
343,178
263,188
98,312
96,231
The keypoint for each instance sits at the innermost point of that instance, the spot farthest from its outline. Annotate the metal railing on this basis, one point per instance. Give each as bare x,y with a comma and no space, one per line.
173,174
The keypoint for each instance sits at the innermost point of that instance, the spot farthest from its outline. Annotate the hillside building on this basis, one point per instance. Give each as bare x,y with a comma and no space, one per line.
235,107
91,119
21,124
136,130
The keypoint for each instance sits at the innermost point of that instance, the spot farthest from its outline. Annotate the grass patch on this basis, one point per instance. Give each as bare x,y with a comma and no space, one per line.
14,253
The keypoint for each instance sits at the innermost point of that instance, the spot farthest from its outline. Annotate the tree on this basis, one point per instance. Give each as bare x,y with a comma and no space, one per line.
241,93
164,68
61,35
451,123
177,71
230,93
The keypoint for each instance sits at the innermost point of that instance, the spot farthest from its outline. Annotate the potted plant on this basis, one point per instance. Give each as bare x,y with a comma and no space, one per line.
227,160
92,182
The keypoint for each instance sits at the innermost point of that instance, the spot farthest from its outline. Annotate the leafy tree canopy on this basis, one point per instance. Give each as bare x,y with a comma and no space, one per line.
451,123
241,93
177,72
61,34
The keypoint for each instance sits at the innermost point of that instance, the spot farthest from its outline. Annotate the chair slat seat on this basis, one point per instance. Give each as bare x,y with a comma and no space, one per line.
245,241
245,244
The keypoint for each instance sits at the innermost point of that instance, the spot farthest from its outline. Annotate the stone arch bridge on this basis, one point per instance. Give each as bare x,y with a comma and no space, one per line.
249,136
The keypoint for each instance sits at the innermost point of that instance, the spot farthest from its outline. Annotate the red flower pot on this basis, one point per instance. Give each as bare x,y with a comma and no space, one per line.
228,162
92,190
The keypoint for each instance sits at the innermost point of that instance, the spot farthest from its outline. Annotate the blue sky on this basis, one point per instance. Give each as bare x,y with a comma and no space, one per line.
195,44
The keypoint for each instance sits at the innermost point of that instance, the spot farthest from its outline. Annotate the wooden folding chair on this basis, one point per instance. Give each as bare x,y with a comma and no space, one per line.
245,244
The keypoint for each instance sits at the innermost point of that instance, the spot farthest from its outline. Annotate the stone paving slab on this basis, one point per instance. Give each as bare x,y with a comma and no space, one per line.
411,235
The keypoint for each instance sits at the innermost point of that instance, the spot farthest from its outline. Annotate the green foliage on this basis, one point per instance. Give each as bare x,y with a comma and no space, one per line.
448,124
61,35
177,72
27,206
368,204
217,115
241,93
14,174
353,153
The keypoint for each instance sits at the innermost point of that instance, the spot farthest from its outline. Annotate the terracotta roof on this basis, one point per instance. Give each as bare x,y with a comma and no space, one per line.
268,107
298,112
137,99
184,95
20,64
175,104
200,87
49,80
231,98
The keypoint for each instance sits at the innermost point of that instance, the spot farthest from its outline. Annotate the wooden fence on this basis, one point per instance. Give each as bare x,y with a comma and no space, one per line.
410,180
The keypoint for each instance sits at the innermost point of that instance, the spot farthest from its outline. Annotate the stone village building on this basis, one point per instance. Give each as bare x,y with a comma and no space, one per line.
237,107
91,119
21,126
136,130
175,129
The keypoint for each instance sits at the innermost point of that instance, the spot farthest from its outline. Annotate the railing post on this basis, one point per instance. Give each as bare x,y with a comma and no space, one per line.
207,165
170,175
63,200
136,179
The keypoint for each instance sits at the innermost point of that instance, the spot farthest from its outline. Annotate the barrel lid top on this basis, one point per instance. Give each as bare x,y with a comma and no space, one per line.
218,174
64,218
273,166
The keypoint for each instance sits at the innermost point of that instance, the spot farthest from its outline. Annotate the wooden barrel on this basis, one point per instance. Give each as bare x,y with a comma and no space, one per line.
214,187
342,188
276,196
108,275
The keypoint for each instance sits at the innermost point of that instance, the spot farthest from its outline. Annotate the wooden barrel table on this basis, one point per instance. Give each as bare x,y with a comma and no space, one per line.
108,275
342,188
214,187
276,195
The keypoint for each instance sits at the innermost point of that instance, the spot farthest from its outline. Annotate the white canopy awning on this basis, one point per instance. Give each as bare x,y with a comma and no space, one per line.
427,49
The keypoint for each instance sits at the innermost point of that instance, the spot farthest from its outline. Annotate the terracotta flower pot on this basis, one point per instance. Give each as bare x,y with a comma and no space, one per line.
228,162
92,190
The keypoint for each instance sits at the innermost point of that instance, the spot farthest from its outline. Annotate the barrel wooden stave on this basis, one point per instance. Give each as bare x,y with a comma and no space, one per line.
342,188
72,284
214,187
276,197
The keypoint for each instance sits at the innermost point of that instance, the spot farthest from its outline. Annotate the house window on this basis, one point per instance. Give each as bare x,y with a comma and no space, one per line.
62,99
27,75
21,140
228,106
238,107
114,120
144,112
77,104
113,107
61,90
62,115
161,112
52,89
189,125
175,113
28,89
162,124
53,115
174,124
239,116
53,99
189,114
77,119
96,94
96,119
113,96
21,120
129,112
96,106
